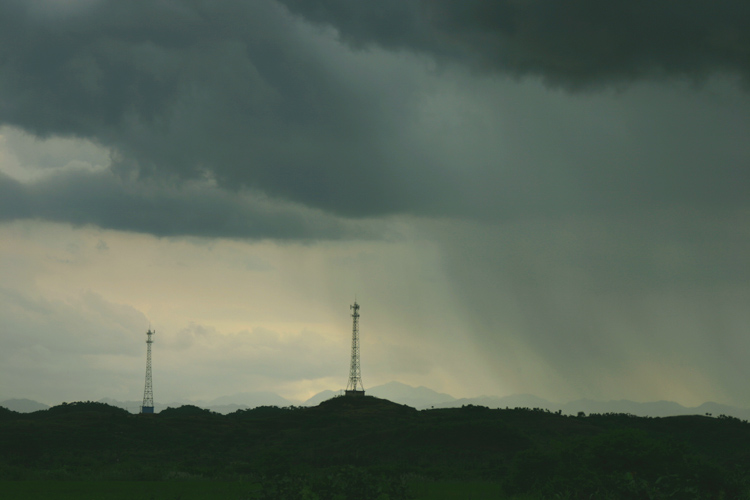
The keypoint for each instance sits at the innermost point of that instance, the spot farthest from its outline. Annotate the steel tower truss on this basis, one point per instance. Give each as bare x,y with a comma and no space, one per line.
355,387
148,393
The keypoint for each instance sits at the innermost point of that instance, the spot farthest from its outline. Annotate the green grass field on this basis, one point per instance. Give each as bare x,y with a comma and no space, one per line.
125,490
204,490
455,490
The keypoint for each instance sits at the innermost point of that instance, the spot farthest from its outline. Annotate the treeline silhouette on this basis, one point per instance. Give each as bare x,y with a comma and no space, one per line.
376,446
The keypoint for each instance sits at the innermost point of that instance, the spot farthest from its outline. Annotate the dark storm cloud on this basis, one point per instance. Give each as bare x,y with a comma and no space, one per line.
253,97
236,90
572,43
192,209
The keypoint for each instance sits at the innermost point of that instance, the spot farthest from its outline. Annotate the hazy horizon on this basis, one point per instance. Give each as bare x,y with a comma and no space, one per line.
385,391
527,197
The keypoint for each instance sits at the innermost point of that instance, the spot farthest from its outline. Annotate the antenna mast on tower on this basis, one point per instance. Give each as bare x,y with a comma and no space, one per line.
148,393
355,387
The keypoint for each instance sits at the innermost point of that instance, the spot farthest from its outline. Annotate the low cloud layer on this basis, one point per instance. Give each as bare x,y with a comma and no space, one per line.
105,200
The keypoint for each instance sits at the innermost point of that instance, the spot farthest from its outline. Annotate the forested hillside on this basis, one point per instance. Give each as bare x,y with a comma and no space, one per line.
382,446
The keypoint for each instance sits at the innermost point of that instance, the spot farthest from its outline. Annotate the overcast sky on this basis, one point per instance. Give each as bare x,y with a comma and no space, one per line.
525,197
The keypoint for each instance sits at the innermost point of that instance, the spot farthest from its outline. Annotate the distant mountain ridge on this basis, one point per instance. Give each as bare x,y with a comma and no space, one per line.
247,399
23,405
320,397
513,401
423,398
417,397
588,406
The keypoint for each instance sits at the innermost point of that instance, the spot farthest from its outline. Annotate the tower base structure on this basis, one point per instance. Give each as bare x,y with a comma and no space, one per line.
354,393
147,409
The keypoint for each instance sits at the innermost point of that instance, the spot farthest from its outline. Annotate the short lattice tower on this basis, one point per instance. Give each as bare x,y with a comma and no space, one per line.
148,393
355,387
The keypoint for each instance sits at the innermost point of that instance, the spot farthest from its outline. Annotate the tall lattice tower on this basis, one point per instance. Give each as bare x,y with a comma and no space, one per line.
355,387
148,393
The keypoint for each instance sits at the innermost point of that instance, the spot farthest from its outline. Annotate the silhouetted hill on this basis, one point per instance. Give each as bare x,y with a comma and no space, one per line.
223,404
79,408
5,413
135,406
527,451
187,411
262,412
416,397
364,405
